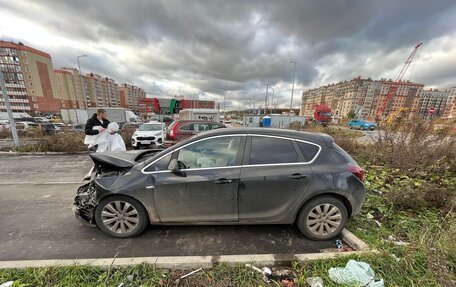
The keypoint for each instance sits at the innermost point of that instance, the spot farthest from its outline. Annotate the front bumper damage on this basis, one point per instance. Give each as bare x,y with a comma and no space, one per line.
84,204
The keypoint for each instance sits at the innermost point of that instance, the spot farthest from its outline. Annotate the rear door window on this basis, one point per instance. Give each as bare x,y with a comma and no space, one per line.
308,150
187,127
266,150
216,126
202,127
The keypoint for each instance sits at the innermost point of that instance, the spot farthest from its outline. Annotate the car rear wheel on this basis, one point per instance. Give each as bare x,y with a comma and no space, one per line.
121,216
322,218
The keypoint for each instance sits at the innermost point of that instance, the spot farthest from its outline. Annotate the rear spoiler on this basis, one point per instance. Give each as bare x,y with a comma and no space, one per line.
329,140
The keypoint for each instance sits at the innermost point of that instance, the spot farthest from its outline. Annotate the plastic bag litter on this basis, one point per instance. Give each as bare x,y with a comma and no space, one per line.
7,284
315,281
355,274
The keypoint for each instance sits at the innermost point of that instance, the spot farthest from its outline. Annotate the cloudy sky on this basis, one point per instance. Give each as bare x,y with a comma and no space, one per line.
232,49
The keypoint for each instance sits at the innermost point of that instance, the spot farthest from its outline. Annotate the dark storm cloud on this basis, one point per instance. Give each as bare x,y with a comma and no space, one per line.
217,47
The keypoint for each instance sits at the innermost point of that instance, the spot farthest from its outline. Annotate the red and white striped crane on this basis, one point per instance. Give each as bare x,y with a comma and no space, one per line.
393,88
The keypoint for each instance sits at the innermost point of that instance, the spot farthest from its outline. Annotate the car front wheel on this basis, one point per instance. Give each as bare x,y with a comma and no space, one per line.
322,218
121,216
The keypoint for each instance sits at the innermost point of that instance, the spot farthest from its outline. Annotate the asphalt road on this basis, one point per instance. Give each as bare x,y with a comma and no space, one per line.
36,222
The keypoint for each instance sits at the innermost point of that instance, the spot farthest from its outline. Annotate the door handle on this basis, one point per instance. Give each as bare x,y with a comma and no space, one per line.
297,176
223,181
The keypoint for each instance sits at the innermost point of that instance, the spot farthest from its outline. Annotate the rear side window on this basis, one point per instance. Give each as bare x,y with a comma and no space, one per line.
187,127
202,127
267,150
215,126
308,150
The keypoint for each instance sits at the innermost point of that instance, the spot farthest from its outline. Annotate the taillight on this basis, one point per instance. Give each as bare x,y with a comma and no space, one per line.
356,170
172,133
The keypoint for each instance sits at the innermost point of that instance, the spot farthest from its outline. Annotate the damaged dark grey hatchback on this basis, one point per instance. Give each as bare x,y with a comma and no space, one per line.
226,176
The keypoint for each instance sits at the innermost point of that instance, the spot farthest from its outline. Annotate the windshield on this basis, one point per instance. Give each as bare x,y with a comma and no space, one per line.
150,127
325,114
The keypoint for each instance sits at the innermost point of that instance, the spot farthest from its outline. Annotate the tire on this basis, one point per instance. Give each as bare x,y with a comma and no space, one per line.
127,226
136,147
309,223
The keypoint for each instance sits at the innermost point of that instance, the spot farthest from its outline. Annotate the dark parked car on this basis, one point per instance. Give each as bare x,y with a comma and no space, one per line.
180,130
77,128
226,176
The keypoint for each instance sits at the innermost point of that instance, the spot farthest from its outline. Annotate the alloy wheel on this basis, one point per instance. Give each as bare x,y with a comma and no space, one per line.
324,219
120,217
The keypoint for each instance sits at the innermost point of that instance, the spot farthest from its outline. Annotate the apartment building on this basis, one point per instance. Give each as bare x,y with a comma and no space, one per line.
449,111
29,79
130,95
405,96
101,91
70,89
361,96
432,98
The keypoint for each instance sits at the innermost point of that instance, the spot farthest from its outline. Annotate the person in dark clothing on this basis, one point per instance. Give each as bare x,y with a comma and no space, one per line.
98,119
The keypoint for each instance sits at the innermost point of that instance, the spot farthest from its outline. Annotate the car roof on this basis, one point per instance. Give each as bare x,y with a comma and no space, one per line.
312,137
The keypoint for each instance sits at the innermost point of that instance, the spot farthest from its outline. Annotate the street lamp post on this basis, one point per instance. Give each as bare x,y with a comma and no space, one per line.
82,83
266,98
224,105
292,87
8,109
272,99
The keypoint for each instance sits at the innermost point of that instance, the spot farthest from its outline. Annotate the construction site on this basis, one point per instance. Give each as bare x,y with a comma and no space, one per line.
382,99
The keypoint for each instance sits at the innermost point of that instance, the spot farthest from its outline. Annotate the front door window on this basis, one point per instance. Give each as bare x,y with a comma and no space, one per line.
215,152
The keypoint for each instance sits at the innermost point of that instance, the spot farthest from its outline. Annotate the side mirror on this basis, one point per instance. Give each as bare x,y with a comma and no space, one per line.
173,166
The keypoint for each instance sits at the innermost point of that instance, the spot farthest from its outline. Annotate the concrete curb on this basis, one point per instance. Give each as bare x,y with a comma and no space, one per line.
190,262
353,241
182,262
42,153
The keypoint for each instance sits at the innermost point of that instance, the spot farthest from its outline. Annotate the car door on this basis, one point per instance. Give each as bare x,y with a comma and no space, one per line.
274,176
207,188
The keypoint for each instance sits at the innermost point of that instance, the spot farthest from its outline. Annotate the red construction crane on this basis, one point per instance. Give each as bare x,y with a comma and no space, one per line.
393,88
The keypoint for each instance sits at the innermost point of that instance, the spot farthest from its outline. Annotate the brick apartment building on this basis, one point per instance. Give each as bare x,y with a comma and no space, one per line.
363,96
130,96
435,99
29,79
70,88
33,86
450,106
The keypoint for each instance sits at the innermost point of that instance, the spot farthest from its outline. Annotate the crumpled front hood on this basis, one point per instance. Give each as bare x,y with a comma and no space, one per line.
117,159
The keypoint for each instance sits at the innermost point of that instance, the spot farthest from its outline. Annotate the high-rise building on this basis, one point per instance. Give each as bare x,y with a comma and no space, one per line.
101,91
29,79
70,88
450,106
130,95
406,96
432,98
361,96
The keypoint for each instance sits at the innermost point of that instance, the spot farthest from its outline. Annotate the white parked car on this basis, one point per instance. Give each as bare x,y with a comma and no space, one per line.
41,119
149,134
